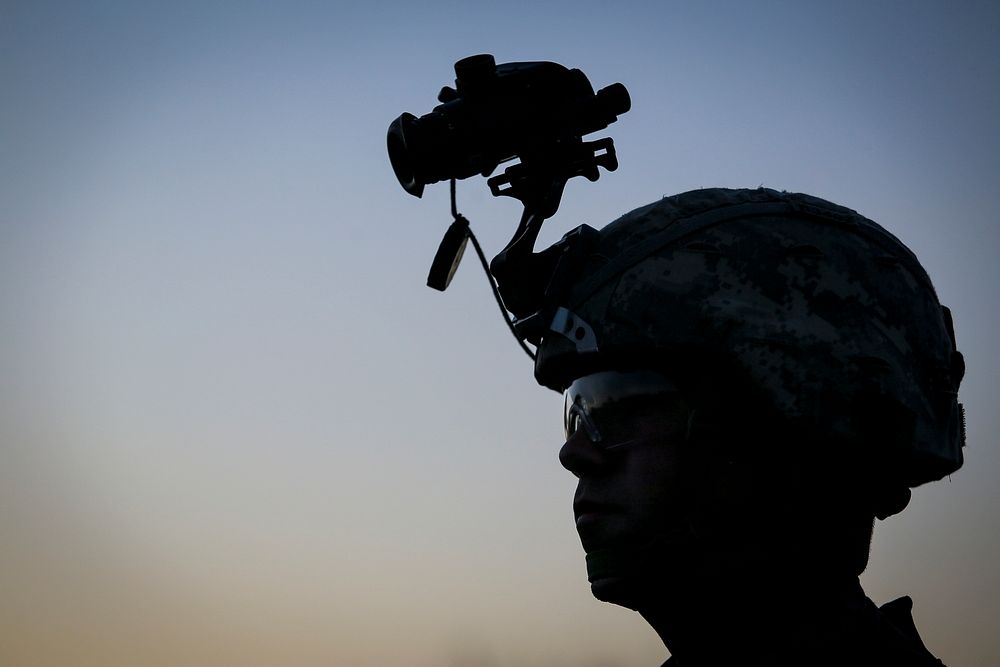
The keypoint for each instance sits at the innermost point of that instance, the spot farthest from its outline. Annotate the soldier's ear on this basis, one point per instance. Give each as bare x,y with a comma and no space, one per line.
891,501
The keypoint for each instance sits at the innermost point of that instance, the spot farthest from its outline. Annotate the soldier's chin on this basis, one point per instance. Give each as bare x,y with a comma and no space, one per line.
614,589
612,575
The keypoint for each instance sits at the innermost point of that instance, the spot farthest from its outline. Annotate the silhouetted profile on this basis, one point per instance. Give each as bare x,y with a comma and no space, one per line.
751,378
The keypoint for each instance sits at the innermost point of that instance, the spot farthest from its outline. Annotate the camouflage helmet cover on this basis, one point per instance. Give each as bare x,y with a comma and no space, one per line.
830,316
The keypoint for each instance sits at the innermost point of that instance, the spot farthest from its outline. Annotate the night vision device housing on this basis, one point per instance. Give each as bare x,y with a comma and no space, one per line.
495,113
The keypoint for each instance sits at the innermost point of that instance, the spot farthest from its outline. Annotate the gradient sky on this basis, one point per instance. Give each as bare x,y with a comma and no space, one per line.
236,427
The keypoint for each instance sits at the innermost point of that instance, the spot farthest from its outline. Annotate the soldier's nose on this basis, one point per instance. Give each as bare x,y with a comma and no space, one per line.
581,456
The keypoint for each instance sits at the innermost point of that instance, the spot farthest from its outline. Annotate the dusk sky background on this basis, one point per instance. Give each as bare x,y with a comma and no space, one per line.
237,429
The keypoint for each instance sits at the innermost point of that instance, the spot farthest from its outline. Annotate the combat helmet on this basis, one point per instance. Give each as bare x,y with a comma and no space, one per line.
828,315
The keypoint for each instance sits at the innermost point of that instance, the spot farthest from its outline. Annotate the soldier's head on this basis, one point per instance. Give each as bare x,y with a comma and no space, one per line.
750,377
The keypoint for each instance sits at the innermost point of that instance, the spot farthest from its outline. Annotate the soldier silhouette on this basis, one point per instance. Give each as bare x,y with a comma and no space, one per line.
751,378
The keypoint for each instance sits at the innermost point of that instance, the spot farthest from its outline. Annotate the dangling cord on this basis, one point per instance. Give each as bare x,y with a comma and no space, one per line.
486,268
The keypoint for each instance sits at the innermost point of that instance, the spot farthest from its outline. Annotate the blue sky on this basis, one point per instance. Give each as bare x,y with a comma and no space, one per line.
237,428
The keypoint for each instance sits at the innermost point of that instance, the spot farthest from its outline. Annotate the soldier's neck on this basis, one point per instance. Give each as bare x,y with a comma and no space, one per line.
757,622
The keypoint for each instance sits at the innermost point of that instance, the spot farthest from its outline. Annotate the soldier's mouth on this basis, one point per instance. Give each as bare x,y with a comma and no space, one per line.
589,511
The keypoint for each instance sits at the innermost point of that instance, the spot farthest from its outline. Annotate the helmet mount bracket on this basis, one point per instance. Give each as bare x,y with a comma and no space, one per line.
531,283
